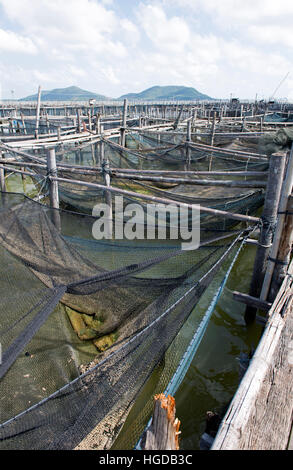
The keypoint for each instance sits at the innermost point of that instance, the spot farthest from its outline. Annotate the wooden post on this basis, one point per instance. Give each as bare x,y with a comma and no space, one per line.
188,140
23,124
107,180
213,129
269,217
52,171
163,433
283,236
123,128
98,124
212,139
90,119
38,112
79,120
2,176
284,253
53,187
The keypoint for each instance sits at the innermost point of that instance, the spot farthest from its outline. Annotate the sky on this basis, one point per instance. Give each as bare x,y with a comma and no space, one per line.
222,48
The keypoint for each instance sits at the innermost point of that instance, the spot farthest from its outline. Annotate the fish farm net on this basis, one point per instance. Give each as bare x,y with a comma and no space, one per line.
90,322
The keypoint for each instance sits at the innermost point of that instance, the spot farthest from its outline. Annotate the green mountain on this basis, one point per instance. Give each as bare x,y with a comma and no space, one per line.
72,93
167,93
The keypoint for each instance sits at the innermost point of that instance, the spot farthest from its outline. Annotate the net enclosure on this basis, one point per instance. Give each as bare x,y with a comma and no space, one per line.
86,323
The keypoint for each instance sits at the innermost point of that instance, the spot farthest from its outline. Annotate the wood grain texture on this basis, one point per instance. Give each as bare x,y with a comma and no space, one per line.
260,415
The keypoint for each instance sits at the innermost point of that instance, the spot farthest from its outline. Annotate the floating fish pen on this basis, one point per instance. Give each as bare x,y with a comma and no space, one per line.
92,329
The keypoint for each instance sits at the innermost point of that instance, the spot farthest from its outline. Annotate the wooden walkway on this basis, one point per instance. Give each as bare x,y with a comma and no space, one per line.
260,415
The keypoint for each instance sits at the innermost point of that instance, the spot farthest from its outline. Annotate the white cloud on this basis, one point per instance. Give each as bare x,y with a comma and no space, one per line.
165,33
83,23
215,46
12,42
272,34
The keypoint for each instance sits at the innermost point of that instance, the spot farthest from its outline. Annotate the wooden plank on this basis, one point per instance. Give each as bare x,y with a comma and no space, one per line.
260,414
252,301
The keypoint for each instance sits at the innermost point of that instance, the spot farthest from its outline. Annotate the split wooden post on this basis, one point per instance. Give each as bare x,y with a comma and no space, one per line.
123,128
283,236
269,218
38,112
163,433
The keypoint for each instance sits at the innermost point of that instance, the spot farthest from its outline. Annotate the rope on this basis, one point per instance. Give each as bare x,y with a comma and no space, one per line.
190,352
278,261
196,340
123,346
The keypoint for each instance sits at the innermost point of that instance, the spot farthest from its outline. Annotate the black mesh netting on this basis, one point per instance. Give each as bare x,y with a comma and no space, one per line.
55,387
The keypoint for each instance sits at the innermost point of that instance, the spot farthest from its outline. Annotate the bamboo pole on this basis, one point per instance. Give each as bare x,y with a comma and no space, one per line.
130,171
197,182
269,217
224,214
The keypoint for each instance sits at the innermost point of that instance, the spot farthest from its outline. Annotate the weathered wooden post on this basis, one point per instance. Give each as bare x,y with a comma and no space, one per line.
280,252
188,140
261,124
79,120
2,176
123,128
212,139
284,254
53,187
23,124
269,218
38,112
98,124
107,179
163,433
213,128
89,119
52,171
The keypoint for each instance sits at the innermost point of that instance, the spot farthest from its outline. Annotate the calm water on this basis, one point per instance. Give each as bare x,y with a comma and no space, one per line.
213,376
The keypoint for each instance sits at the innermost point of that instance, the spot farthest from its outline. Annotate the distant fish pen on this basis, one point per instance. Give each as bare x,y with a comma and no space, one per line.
92,329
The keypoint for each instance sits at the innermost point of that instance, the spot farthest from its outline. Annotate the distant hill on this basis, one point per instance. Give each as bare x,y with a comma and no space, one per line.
72,93
167,93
